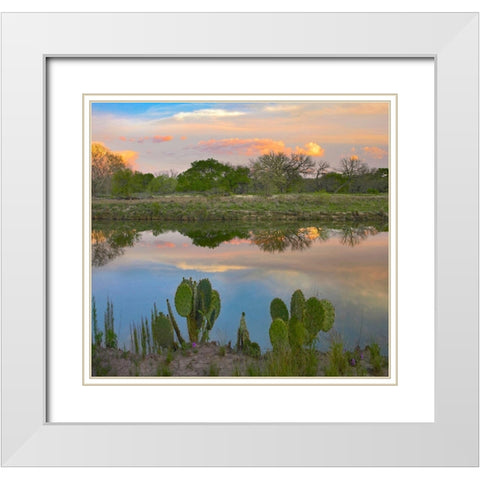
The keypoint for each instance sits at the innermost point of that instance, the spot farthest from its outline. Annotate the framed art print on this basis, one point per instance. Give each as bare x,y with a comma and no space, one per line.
260,238
264,215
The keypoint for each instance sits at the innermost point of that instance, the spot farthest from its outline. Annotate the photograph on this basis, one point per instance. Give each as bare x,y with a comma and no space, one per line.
246,236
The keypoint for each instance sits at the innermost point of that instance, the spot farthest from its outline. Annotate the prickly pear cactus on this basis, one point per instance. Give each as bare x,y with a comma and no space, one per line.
297,334
297,305
184,299
279,335
162,331
314,317
200,305
329,315
278,309
174,323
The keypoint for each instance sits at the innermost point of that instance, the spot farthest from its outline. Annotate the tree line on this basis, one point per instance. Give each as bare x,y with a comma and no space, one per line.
271,173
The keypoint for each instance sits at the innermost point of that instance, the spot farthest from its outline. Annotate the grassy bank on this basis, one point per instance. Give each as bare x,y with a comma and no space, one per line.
211,359
244,207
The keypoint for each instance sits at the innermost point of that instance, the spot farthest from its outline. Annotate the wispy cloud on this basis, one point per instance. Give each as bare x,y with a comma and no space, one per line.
207,113
209,268
281,108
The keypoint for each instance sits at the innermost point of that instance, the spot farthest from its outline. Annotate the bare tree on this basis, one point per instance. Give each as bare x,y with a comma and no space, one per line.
351,167
278,171
321,168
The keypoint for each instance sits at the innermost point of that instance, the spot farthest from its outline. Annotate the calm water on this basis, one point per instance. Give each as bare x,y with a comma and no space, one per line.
249,265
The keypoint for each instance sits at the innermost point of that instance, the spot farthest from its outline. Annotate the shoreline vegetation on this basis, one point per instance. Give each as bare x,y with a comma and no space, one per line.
215,207
213,359
158,348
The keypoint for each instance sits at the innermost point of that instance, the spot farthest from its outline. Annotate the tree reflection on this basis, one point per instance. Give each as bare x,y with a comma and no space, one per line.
352,236
109,244
214,236
109,240
279,240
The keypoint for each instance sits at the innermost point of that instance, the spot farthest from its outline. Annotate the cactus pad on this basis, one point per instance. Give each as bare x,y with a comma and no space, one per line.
184,299
278,309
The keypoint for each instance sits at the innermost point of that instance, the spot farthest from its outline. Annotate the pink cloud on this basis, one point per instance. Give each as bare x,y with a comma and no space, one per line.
160,139
123,139
183,137
375,152
257,146
245,146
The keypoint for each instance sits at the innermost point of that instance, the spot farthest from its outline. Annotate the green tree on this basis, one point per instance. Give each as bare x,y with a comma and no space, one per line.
237,179
122,183
163,183
204,175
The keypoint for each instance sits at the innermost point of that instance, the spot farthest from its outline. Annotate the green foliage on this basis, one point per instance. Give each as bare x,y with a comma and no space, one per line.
200,304
297,305
135,340
243,337
314,317
278,309
376,359
293,337
122,183
97,334
329,315
337,360
162,331
110,335
213,370
212,314
184,299
204,300
297,334
244,344
278,333
253,350
174,323
275,172
212,175
163,370
162,184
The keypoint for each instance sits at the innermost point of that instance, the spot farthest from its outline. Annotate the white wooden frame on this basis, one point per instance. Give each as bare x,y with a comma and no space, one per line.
29,39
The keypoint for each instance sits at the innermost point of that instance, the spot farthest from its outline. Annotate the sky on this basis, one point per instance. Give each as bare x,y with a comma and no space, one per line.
160,137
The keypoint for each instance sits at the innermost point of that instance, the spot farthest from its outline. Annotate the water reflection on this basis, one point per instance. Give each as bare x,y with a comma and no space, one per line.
108,244
137,266
352,236
109,239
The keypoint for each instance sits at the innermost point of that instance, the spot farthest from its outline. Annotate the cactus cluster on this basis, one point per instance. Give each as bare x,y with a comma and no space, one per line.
200,305
301,327
244,344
